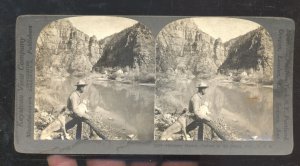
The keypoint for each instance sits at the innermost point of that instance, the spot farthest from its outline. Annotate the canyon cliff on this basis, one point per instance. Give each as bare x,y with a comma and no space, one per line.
64,50
132,47
183,48
252,53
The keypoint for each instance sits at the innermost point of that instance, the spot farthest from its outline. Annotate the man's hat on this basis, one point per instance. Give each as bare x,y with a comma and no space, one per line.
81,83
202,85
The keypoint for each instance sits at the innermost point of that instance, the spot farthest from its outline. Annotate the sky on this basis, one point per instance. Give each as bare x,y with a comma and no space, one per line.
101,26
218,27
224,28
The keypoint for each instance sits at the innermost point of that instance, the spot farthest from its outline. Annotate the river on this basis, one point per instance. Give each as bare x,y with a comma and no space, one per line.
247,109
134,103
244,109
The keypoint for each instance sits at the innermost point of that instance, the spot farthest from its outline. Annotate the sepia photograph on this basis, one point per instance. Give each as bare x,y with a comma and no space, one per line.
94,80
154,85
214,81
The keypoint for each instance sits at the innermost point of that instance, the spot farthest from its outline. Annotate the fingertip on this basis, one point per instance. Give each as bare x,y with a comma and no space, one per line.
180,163
100,162
59,160
140,163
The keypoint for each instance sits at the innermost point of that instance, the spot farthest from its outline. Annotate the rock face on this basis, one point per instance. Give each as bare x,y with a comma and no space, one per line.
133,47
250,52
64,50
182,47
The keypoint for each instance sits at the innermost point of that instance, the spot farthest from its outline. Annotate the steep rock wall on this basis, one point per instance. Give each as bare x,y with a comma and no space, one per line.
252,52
132,47
62,50
182,47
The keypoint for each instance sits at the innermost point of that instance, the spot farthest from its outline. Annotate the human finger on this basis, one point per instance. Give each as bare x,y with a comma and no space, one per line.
105,162
59,160
141,163
180,163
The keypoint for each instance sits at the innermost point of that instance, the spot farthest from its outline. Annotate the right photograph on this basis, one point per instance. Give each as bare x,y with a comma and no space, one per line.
214,81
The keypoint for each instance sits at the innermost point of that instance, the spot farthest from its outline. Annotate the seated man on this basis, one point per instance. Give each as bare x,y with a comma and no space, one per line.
78,112
198,109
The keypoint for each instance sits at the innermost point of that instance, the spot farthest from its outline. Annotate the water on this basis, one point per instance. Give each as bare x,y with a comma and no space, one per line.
132,102
246,109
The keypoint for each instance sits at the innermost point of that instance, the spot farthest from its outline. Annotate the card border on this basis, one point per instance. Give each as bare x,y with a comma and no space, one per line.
282,98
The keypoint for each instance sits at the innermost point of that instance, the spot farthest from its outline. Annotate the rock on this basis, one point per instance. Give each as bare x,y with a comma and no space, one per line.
44,114
119,72
243,74
183,47
157,111
64,50
95,137
131,136
133,47
167,116
189,138
252,51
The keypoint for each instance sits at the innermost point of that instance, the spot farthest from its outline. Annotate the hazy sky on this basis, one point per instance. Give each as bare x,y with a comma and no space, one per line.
101,26
225,28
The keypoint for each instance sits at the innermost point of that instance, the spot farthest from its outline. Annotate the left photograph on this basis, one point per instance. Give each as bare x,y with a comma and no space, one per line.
94,80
